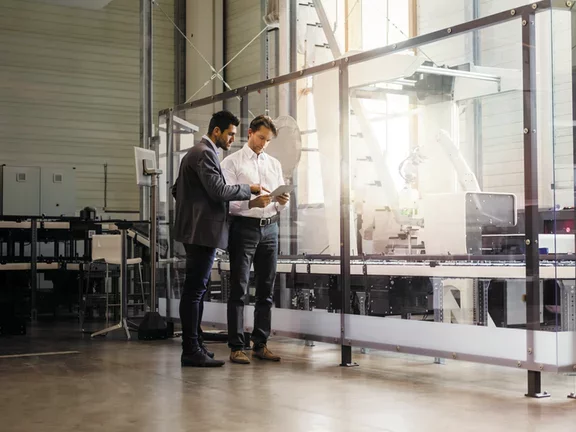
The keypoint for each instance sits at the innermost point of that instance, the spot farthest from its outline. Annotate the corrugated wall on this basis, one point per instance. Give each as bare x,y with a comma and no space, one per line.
70,91
243,22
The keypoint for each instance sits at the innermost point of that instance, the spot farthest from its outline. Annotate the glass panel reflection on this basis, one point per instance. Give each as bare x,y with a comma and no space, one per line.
557,98
439,230
439,195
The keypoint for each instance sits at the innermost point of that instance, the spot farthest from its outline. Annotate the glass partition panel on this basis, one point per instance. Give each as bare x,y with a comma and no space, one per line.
162,227
305,155
460,168
556,30
438,188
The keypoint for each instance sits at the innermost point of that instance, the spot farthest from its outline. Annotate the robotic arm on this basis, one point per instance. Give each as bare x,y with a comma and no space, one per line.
466,177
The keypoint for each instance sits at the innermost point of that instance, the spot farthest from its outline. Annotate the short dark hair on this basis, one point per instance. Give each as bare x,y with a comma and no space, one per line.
222,120
263,120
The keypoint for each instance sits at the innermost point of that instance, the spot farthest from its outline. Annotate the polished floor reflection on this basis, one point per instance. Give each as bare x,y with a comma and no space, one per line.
112,385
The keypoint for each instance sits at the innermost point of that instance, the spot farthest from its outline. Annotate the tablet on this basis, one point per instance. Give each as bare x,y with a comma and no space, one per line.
282,190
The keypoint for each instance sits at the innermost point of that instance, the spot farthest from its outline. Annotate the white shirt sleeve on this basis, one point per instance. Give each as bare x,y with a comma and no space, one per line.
229,169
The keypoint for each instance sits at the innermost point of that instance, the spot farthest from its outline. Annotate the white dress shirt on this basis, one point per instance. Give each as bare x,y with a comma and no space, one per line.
247,167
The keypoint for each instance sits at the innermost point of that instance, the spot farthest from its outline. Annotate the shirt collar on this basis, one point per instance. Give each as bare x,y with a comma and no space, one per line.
211,142
251,154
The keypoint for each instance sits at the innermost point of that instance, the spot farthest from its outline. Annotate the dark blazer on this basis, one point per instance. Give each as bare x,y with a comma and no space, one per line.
202,195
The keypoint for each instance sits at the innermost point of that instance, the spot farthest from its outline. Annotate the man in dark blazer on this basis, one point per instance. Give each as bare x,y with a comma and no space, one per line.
201,224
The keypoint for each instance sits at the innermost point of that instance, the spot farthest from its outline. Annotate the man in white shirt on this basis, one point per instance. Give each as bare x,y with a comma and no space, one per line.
253,239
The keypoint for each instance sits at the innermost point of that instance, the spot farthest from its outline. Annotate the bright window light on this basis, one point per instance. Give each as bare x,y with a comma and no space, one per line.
385,22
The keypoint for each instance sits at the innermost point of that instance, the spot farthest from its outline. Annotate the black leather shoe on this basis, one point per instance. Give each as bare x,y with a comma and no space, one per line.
205,349
199,359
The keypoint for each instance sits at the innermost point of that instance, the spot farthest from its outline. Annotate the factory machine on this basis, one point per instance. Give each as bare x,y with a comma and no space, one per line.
57,263
434,204
435,248
47,270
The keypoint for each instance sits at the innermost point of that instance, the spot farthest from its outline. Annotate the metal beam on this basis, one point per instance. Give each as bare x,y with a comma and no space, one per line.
345,210
283,55
476,59
146,121
531,197
293,112
332,42
179,53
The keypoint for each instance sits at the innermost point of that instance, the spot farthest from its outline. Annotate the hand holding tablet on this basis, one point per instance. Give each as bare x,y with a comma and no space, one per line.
281,190
282,194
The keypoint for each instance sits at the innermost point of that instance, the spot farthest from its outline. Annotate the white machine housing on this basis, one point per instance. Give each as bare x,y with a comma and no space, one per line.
453,221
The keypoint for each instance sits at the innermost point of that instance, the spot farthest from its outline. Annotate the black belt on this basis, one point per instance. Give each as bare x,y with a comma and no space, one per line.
257,221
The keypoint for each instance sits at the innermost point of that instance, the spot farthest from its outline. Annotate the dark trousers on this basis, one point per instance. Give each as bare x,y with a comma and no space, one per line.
199,260
251,244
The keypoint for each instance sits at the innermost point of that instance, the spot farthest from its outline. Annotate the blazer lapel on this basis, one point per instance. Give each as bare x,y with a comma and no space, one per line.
210,147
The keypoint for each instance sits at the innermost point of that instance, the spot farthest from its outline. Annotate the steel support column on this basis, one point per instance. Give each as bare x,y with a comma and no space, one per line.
292,111
568,311
146,121
476,59
169,217
244,119
179,52
33,269
573,63
345,207
438,303
332,42
531,198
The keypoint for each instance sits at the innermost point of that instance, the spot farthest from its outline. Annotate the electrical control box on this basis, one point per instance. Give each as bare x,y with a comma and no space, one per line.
58,191
36,191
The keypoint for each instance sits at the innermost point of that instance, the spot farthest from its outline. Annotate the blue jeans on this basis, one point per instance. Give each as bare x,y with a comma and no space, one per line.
199,261
251,244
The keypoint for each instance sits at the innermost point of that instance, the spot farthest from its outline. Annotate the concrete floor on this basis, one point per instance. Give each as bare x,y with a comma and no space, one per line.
114,385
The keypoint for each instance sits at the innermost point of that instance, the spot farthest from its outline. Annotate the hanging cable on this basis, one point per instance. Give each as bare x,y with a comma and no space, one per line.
352,9
216,74
189,41
404,34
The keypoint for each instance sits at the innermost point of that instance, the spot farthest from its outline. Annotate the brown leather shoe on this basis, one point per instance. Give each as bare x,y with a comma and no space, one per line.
264,353
239,357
